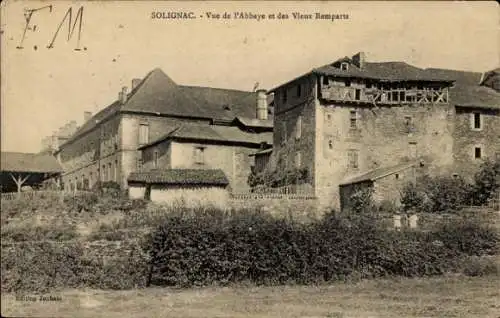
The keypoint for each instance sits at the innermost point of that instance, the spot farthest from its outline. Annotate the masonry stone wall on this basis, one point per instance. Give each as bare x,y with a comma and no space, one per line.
382,138
293,149
467,139
299,208
109,152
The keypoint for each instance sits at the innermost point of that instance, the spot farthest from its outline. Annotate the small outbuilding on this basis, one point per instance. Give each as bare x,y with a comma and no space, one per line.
189,186
386,183
27,169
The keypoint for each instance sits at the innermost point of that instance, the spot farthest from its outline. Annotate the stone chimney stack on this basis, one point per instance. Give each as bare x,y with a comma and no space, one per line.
72,127
261,104
359,59
87,116
135,83
122,95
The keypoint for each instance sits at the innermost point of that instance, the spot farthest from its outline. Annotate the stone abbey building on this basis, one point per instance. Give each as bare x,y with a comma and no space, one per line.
107,147
348,123
354,121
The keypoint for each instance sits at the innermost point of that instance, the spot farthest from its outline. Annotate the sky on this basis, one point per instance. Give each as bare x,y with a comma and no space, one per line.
42,88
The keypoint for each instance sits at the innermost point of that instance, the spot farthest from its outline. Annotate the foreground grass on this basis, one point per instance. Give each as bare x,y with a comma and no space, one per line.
435,297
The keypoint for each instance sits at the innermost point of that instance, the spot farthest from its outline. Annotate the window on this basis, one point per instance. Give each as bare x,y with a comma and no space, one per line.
409,124
299,90
352,156
284,95
412,150
477,122
110,171
143,134
344,66
298,159
347,83
283,133
326,81
116,171
396,176
156,159
478,153
139,163
358,94
330,144
353,119
198,155
298,128
103,173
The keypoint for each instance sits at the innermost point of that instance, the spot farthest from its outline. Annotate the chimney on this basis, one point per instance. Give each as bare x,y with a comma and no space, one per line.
261,104
359,59
72,127
135,83
86,116
122,95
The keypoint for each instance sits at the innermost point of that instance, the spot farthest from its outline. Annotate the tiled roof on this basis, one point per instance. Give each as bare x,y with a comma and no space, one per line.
181,177
378,173
29,162
225,104
388,71
475,96
157,93
227,134
460,77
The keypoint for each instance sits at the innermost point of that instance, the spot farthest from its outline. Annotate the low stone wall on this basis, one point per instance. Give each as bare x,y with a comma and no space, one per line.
293,206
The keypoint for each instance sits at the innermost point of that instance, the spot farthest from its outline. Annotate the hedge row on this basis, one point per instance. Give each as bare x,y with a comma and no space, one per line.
44,267
195,250
264,250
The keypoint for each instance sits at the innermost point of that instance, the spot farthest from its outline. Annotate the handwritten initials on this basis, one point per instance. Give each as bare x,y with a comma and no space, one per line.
28,14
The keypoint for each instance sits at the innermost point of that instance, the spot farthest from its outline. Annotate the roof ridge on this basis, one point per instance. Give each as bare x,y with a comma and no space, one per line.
217,88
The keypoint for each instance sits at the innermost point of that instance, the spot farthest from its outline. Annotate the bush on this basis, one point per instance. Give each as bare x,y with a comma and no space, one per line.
436,194
28,232
480,266
205,250
468,237
39,268
486,182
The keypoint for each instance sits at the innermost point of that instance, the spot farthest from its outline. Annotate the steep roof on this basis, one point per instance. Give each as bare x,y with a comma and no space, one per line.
223,103
181,177
29,162
158,93
475,96
385,71
378,173
224,134
460,77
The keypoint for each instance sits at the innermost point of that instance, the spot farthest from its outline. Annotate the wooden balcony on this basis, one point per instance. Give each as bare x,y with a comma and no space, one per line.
384,96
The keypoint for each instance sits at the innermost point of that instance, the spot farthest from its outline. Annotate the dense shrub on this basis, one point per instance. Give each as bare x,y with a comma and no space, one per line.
480,266
436,194
30,232
39,268
468,237
203,250
486,181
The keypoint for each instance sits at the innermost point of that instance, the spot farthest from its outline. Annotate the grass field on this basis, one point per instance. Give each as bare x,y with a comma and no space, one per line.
430,297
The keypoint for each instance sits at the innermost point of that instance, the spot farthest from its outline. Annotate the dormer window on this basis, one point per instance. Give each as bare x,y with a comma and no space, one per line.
226,107
344,66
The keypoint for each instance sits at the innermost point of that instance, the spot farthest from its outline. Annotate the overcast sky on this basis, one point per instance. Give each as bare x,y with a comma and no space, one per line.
44,88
